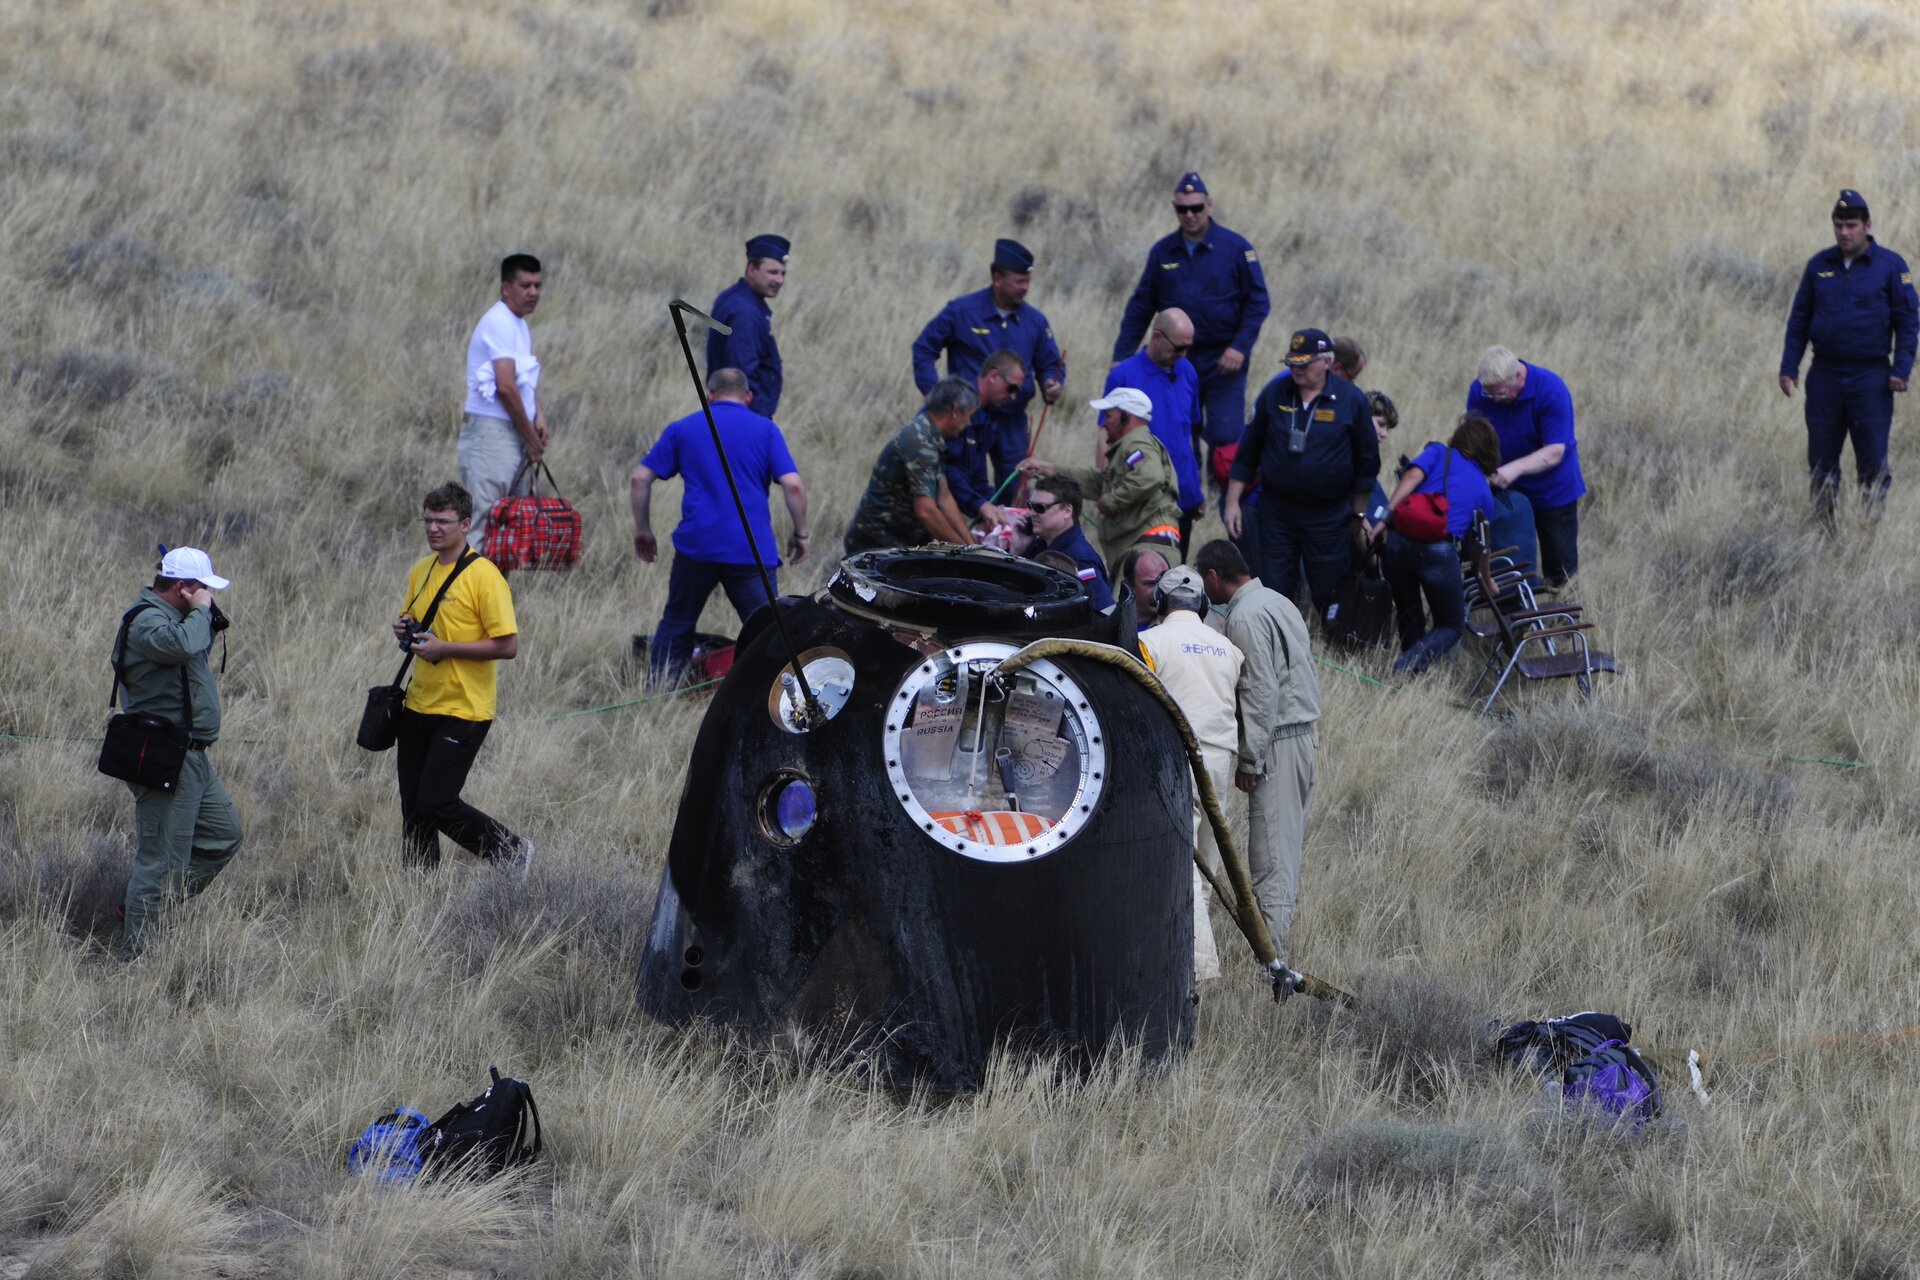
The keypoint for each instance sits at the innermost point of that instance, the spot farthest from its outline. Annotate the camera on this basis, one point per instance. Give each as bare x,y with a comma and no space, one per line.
220,620
414,632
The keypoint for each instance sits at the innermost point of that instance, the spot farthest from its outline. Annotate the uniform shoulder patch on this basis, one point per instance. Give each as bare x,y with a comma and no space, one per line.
1906,277
1135,458
1087,574
1251,257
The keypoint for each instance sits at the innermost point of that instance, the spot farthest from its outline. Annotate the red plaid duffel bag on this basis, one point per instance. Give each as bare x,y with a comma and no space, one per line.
533,532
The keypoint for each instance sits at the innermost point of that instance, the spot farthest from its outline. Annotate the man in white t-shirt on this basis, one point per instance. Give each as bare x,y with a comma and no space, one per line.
504,430
1201,671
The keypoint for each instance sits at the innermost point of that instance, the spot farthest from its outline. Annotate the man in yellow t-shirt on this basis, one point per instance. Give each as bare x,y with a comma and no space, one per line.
449,704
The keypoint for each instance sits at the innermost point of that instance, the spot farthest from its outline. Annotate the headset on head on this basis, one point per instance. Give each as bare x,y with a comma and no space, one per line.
1160,598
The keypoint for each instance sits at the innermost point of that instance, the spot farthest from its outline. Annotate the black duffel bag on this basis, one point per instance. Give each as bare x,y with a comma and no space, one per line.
1361,615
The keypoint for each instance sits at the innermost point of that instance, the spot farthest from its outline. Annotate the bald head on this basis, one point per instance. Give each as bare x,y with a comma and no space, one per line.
1170,337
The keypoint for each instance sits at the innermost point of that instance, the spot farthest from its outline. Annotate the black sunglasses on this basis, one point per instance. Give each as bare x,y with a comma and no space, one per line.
1189,208
1041,508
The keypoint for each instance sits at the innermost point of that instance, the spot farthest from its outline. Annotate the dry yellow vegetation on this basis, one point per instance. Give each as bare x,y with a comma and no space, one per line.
245,243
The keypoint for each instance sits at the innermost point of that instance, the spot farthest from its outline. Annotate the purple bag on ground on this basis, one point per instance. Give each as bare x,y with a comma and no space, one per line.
1617,1078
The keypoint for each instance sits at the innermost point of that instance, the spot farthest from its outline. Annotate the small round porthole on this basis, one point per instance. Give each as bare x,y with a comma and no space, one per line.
787,807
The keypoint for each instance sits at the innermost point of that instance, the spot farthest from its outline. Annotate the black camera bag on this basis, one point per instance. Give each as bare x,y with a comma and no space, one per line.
380,719
145,750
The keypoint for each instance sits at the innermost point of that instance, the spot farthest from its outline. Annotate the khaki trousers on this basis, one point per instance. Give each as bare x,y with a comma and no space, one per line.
1277,828
185,838
491,454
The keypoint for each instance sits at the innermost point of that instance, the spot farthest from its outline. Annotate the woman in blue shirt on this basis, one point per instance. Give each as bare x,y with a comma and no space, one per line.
1432,569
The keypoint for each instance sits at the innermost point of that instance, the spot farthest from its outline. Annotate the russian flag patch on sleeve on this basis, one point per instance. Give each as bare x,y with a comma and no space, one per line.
1134,458
1086,574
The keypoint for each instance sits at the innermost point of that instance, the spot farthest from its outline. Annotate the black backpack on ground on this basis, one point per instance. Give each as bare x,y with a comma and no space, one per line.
1549,1048
1361,615
495,1132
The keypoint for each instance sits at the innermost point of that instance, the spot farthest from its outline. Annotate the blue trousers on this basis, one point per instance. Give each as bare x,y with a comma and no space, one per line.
1429,569
1848,404
1558,529
1316,540
1223,406
688,587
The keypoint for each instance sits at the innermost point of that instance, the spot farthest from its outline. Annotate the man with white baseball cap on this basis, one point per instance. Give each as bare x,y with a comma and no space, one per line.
184,836
1137,495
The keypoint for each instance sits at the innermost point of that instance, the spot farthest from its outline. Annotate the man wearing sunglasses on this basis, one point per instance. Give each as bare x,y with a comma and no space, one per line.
1055,526
1163,372
1214,276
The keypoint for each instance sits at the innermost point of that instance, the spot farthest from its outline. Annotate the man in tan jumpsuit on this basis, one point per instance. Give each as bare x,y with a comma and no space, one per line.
1137,495
1279,701
1201,670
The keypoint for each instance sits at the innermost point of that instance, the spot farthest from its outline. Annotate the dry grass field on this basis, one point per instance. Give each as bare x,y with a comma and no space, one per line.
245,244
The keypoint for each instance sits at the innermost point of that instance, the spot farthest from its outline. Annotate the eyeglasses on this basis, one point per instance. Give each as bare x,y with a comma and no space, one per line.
1041,508
1188,210
442,522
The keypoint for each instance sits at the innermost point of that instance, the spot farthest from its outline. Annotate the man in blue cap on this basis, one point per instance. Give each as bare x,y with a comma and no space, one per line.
1162,370
1312,447
742,307
974,326
1854,302
1214,276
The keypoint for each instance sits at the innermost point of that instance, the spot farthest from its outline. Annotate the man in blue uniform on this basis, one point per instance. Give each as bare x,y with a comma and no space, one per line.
999,381
1854,302
1162,370
711,548
1056,506
742,307
974,326
1532,412
1214,276
1312,446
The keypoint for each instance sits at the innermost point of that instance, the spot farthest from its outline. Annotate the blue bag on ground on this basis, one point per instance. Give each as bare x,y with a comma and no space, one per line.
390,1147
1549,1048
1617,1078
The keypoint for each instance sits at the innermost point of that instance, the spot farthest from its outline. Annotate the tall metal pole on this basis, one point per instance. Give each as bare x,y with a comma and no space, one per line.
679,308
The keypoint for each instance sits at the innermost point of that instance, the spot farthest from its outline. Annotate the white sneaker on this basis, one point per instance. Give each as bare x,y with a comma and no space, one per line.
520,859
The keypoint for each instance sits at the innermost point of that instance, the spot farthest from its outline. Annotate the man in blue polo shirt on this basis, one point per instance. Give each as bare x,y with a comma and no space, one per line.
974,326
1532,412
1214,276
1312,448
742,306
1854,302
1162,370
711,549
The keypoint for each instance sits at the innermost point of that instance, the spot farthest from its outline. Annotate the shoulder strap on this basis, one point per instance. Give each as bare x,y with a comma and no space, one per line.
466,559
120,666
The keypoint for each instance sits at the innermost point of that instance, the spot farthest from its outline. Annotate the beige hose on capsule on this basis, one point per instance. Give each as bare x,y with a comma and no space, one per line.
1240,904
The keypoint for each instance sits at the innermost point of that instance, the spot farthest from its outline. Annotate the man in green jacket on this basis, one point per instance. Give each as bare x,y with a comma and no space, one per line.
1137,495
187,835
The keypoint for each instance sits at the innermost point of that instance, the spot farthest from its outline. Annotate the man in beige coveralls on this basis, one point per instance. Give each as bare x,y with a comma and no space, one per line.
1279,701
1200,669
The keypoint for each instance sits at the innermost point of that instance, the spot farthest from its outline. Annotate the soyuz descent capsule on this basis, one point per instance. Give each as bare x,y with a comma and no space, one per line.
944,858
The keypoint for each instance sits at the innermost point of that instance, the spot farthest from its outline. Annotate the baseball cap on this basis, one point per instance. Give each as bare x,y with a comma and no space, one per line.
1128,400
191,563
1182,578
1308,344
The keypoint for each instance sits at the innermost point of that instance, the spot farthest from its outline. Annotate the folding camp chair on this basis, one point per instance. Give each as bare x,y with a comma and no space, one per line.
1539,644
